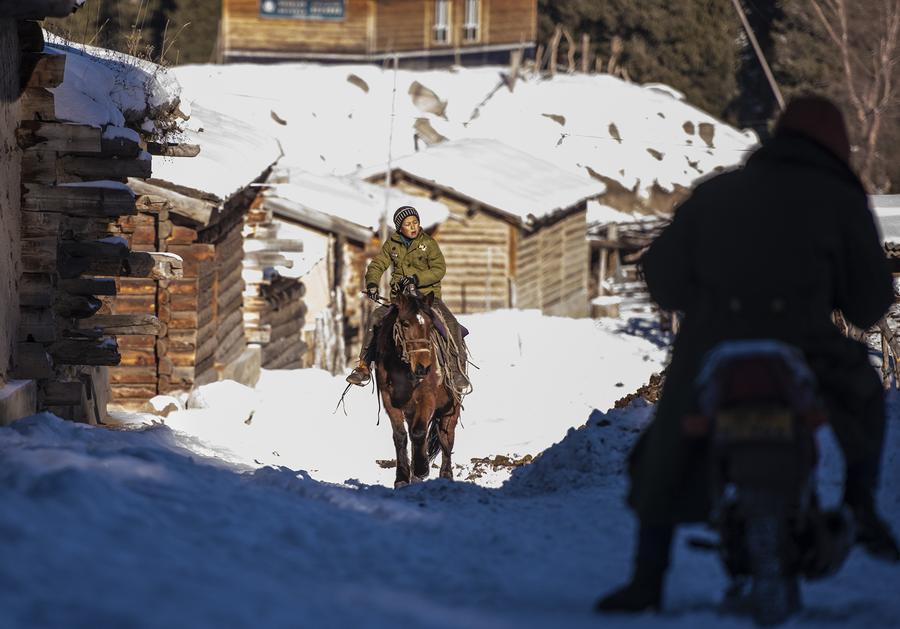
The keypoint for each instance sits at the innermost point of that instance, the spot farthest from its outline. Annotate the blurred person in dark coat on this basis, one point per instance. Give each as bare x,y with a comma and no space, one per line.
769,250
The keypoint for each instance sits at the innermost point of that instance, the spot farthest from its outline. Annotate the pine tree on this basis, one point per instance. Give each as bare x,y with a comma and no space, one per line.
688,44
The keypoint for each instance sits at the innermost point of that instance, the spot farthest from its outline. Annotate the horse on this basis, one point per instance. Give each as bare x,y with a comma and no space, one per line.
413,389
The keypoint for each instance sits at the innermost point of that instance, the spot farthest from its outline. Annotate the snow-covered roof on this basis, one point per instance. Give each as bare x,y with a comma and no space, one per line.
105,87
638,136
232,154
349,199
500,177
600,214
887,216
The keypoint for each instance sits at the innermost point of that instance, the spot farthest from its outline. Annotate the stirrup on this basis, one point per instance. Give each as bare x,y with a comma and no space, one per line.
359,376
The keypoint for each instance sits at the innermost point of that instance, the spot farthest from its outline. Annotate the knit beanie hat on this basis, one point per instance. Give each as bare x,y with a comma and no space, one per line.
402,213
820,120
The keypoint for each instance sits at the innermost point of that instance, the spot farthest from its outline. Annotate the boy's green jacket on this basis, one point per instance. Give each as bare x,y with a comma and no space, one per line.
422,258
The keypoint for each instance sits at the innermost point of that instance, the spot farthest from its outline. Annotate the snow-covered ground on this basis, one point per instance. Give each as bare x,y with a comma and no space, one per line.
159,526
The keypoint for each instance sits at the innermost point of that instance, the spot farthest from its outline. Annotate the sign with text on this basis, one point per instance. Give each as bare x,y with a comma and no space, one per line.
303,9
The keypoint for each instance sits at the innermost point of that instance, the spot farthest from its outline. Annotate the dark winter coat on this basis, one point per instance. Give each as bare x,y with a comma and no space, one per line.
422,258
766,251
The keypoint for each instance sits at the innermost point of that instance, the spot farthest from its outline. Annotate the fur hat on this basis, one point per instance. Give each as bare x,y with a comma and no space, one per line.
403,213
820,120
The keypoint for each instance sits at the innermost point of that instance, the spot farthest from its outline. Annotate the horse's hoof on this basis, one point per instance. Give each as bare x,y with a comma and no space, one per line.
417,479
400,483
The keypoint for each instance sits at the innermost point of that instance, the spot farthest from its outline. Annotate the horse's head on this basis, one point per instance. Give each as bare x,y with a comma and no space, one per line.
414,321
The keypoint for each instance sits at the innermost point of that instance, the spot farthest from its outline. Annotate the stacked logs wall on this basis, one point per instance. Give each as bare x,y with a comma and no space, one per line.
69,262
274,310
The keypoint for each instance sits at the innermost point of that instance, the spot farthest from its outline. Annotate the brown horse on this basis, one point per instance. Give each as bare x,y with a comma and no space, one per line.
413,389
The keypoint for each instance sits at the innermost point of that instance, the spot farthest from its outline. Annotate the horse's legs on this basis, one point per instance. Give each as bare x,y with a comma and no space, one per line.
446,436
398,427
419,434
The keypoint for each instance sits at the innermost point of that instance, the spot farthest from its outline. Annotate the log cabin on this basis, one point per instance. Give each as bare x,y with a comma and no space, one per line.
517,232
64,200
195,209
420,33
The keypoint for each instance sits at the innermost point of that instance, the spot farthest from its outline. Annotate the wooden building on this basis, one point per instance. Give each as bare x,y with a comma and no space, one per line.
194,208
420,32
337,220
74,204
517,232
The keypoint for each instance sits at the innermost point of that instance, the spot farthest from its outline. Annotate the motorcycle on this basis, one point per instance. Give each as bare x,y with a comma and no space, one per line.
759,410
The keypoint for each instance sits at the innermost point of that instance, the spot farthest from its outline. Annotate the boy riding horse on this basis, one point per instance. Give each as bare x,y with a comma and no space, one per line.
415,259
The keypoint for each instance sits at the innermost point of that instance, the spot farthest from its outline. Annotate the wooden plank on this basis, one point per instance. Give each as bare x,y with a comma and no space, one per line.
57,136
39,166
140,342
80,201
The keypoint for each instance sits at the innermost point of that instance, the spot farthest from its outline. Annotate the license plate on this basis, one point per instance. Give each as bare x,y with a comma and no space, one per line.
755,424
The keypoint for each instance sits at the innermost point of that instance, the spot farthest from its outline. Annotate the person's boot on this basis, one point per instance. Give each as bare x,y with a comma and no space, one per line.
644,591
872,532
460,379
360,375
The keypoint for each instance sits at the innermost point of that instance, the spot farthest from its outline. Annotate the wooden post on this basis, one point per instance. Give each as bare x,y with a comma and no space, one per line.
570,52
539,58
585,53
554,49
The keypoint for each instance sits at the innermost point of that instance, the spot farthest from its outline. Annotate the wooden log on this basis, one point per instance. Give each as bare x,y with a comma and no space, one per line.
37,103
119,145
138,358
199,211
61,393
166,266
89,286
36,289
262,334
135,286
76,306
79,201
92,168
124,324
133,375
57,136
32,361
182,235
120,393
135,305
173,150
39,255
37,325
41,69
39,167
142,342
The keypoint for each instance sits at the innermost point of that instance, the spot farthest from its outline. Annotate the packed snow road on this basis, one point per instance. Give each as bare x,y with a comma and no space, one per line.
159,526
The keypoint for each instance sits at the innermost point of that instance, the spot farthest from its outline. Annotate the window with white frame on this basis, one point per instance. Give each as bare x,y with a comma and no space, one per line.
442,21
470,25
